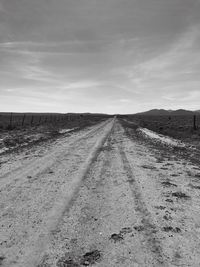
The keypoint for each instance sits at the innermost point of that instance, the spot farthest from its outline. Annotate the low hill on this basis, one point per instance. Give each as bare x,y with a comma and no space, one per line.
156,112
162,112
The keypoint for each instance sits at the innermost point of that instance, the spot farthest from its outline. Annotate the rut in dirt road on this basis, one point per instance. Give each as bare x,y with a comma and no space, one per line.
105,218
110,200
50,158
148,226
39,223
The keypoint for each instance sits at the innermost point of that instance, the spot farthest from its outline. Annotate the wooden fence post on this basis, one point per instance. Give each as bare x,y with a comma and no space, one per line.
23,119
32,120
11,119
194,122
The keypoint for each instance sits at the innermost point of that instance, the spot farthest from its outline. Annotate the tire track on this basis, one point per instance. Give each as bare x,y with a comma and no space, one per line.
38,166
85,200
34,252
148,225
103,209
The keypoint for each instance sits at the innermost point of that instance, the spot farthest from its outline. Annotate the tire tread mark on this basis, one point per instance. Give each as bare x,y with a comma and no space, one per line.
33,165
34,255
150,228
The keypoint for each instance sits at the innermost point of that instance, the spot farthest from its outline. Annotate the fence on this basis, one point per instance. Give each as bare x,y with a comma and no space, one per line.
175,122
13,120
9,121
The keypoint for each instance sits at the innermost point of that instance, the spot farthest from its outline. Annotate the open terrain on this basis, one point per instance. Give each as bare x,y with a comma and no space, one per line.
177,126
14,135
109,194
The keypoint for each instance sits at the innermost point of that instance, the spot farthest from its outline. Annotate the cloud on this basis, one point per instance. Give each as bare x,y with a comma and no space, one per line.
171,68
111,55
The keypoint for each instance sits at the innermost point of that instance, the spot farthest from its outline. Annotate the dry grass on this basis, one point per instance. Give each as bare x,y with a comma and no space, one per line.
180,127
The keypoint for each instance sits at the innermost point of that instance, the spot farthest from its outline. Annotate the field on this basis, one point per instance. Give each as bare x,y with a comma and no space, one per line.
180,127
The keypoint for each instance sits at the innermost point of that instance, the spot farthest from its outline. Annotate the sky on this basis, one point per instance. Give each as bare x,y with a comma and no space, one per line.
108,56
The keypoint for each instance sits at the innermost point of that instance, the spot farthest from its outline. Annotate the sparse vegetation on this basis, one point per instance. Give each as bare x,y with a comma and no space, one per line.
180,127
12,121
40,127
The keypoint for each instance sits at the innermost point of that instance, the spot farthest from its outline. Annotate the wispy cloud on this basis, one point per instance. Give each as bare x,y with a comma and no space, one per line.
111,56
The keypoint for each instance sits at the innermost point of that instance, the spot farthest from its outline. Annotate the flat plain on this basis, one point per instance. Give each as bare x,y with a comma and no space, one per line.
106,194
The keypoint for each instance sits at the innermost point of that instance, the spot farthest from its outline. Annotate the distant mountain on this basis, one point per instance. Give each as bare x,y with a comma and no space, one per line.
155,112
162,112
182,112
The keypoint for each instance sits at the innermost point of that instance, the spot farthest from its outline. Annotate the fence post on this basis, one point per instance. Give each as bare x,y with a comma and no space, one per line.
11,119
32,120
23,119
194,122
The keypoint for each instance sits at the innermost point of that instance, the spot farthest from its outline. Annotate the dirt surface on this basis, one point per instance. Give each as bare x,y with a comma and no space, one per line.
20,137
102,196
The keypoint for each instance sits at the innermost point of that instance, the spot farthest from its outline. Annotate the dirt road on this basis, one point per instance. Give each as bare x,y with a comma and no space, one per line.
103,196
